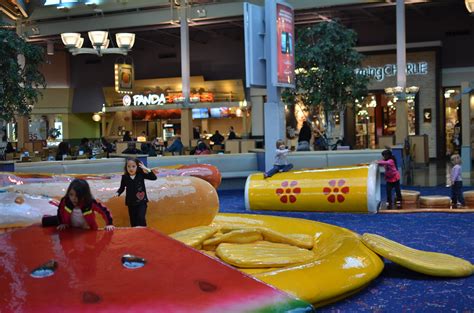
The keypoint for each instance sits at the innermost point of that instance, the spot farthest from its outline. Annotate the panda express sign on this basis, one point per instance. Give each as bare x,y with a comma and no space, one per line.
161,99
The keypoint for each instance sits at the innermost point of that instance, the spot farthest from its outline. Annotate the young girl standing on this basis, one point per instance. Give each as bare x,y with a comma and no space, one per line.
392,176
456,181
77,208
136,199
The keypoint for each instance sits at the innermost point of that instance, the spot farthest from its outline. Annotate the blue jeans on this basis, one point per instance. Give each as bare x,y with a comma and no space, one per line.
278,168
456,193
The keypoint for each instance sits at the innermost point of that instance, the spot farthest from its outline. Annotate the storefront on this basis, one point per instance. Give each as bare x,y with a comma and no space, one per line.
154,108
374,116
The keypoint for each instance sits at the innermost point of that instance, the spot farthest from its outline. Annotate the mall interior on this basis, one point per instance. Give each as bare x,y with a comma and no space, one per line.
169,82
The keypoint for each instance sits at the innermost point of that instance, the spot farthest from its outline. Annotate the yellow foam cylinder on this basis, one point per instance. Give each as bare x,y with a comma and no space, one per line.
343,189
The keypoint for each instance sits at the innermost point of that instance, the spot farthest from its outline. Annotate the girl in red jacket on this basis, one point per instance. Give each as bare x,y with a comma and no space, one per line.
392,176
77,208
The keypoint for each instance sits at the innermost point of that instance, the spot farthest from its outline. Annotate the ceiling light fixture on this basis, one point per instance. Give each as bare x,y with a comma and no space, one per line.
100,43
469,5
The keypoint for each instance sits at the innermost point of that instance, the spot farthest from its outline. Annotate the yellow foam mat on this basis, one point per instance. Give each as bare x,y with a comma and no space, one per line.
429,263
263,254
195,236
341,266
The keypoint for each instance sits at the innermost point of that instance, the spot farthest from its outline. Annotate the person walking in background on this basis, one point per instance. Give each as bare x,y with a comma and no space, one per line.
133,179
304,137
457,197
281,160
392,177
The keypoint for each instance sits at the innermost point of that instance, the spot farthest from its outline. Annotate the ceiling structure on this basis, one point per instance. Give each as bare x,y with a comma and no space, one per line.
156,22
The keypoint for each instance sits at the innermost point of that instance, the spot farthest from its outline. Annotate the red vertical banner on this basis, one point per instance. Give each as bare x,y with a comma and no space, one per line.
285,45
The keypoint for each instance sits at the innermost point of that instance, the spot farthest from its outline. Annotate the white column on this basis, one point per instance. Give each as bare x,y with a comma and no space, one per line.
186,116
274,110
466,131
401,131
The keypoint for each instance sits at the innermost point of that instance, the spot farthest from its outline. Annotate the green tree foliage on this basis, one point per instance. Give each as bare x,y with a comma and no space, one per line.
326,60
19,87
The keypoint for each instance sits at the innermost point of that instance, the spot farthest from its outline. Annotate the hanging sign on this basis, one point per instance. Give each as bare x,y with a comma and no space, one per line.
124,78
285,46
380,72
150,99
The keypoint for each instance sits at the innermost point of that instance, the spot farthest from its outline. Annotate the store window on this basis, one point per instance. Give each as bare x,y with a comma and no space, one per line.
376,116
452,104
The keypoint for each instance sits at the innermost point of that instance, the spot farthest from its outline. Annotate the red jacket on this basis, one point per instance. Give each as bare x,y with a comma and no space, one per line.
64,214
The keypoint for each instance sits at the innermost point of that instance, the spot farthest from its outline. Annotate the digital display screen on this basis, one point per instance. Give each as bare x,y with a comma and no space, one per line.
200,113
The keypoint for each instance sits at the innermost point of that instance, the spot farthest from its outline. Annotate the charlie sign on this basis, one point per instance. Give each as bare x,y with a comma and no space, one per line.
379,73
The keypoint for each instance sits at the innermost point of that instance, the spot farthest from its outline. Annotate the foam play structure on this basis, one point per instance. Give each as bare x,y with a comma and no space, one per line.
86,275
206,172
341,189
331,263
175,203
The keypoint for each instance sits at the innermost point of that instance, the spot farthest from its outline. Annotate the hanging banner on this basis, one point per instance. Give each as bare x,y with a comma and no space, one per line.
124,78
285,45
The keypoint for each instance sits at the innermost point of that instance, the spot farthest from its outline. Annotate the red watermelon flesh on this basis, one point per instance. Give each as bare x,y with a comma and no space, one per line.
90,276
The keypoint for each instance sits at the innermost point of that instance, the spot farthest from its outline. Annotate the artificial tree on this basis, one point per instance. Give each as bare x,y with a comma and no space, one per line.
326,60
20,79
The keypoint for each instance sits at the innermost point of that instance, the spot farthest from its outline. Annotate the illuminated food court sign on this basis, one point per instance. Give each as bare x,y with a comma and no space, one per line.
161,99
150,99
380,72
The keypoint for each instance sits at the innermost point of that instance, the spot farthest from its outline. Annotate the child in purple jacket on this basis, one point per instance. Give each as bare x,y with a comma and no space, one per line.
392,176
456,181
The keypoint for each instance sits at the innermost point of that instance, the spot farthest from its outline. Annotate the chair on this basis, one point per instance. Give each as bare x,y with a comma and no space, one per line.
25,159
10,156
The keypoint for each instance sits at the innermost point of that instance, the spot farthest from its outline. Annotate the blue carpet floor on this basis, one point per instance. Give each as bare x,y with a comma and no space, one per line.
397,289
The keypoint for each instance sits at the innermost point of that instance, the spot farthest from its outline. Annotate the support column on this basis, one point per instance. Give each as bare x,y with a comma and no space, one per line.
466,151
401,129
186,127
257,116
22,131
186,116
205,126
274,110
401,132
103,123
